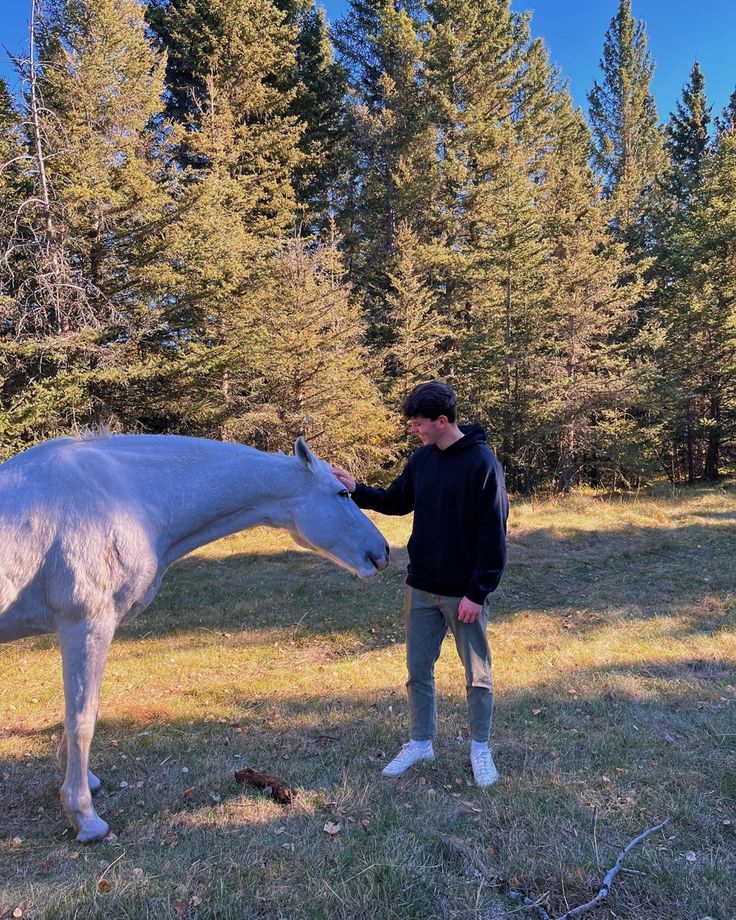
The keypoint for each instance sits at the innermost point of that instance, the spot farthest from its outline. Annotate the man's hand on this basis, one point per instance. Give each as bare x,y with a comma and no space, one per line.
345,478
468,611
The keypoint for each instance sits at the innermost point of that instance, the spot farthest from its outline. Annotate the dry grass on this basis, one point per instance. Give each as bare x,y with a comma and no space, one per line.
614,647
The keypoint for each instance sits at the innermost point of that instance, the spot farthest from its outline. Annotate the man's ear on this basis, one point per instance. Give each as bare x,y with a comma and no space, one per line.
302,451
443,419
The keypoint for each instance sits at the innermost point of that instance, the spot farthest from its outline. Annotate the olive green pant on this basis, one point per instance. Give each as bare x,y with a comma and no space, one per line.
427,618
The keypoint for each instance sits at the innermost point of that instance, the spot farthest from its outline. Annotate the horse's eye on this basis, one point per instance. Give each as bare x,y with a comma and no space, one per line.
344,494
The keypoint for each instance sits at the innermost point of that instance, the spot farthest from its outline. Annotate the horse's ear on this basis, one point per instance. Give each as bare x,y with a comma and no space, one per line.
302,451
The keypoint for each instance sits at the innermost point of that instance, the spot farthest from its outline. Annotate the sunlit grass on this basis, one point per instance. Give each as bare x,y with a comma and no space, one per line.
614,642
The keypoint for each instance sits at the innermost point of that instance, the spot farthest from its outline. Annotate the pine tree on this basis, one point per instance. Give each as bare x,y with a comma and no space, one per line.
393,156
230,84
13,156
511,266
586,380
623,117
420,336
474,67
80,318
687,138
494,97
688,145
104,84
15,183
702,321
230,71
15,189
321,107
311,367
727,121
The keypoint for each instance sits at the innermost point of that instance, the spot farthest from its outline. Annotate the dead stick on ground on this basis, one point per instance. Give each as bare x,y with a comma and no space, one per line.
527,902
595,838
484,874
481,871
611,874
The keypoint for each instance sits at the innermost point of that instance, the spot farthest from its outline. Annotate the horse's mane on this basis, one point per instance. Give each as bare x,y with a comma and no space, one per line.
98,433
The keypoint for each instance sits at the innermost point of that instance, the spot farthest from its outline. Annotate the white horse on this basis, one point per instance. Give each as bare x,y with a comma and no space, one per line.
88,527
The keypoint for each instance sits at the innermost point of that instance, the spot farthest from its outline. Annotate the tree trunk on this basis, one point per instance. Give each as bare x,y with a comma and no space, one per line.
52,254
390,214
713,450
507,372
689,442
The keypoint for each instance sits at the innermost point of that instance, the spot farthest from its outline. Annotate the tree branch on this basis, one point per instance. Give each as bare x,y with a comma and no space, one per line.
611,874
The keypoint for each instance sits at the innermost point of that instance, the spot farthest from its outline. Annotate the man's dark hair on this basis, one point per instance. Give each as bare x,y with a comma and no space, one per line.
431,400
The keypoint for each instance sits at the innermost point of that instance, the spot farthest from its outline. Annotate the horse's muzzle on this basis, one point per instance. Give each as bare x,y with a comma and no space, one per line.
380,562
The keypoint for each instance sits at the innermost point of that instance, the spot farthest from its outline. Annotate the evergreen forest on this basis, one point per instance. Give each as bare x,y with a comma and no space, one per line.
232,219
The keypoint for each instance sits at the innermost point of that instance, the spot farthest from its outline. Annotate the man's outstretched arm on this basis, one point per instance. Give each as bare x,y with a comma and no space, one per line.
398,498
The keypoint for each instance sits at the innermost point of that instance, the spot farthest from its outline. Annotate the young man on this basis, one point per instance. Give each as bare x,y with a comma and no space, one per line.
457,551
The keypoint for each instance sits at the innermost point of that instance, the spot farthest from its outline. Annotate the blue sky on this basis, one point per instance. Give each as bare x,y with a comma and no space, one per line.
680,32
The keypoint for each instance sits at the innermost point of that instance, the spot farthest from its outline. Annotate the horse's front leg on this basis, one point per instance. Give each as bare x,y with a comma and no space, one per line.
94,781
84,647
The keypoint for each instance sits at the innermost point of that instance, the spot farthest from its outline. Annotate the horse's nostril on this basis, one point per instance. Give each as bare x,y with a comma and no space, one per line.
388,551
378,562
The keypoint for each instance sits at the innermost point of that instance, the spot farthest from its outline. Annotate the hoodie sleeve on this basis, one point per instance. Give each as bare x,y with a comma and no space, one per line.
490,556
398,498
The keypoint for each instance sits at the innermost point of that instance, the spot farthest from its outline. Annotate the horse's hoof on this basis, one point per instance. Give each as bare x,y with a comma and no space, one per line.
93,829
94,782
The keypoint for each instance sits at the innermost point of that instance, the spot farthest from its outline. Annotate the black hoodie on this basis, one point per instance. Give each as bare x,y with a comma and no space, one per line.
458,495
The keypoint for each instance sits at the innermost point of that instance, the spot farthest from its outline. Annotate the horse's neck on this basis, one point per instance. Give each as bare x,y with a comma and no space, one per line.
219,489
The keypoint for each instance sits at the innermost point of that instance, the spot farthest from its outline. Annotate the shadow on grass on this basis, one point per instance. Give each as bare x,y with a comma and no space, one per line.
638,573
312,741
290,590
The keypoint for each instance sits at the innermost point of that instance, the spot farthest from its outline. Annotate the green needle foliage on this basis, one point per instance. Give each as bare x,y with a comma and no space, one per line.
83,246
230,74
701,319
321,107
310,367
392,140
421,339
589,380
688,145
623,117
224,218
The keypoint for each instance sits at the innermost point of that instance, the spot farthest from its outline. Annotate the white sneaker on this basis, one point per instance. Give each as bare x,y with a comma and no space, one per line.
409,754
484,769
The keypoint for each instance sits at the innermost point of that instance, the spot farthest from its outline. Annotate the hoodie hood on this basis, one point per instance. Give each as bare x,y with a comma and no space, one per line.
472,435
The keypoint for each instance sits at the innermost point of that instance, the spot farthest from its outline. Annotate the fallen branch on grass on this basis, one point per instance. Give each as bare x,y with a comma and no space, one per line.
271,785
482,872
611,874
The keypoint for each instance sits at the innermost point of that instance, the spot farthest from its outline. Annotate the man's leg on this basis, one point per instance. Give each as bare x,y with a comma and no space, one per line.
426,627
425,630
472,647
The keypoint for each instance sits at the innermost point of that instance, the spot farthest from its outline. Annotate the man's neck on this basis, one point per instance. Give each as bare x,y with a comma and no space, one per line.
451,434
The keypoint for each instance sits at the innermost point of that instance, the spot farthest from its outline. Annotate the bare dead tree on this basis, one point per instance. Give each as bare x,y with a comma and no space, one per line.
51,298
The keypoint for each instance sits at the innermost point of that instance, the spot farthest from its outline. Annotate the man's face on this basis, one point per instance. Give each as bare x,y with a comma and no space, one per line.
428,431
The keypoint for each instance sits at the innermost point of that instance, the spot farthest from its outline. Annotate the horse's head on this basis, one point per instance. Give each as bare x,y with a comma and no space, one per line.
325,519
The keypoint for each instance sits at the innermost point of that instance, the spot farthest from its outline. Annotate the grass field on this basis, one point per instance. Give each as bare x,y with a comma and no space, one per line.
614,640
